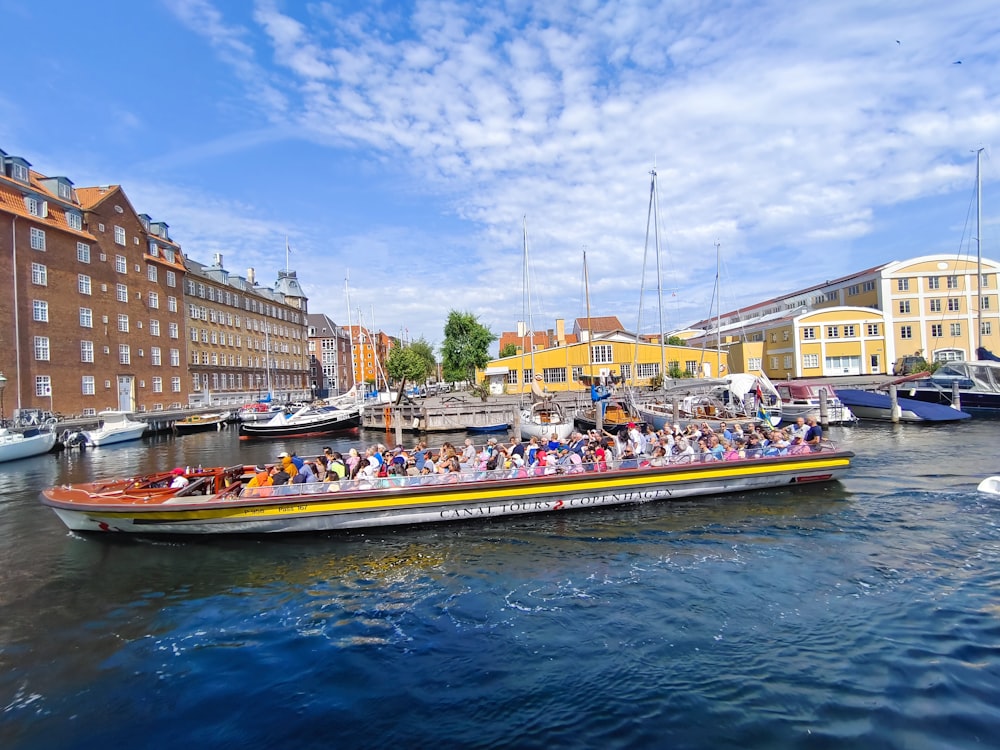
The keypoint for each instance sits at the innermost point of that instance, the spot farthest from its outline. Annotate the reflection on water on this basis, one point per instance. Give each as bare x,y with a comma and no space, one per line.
863,613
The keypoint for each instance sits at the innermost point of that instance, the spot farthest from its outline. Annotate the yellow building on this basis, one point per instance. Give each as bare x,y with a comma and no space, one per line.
934,305
619,355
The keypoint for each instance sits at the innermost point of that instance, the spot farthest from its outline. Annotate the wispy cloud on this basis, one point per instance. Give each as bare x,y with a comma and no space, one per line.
777,130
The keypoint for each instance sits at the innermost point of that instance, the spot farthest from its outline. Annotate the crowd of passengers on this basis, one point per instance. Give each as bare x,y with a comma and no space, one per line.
631,448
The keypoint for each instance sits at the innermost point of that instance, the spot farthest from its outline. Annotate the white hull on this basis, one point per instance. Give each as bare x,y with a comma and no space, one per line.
14,446
115,435
835,414
990,485
543,430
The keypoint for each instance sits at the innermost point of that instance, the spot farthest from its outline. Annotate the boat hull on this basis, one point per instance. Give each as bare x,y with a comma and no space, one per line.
970,400
189,426
255,430
14,448
869,405
312,508
98,438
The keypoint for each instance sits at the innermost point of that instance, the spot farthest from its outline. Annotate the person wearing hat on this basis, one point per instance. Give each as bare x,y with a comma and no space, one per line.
287,465
179,479
261,477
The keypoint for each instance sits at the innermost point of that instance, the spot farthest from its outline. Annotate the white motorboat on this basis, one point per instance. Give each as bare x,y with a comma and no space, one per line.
115,427
802,398
18,445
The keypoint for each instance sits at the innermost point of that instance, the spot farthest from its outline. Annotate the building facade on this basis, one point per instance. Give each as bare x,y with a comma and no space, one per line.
330,357
94,315
245,341
611,353
939,306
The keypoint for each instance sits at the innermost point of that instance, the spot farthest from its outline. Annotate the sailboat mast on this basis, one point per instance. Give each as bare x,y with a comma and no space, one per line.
586,294
718,310
350,332
979,252
524,300
654,197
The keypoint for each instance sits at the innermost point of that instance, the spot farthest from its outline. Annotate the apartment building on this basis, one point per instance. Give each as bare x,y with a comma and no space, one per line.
329,356
940,306
93,320
245,341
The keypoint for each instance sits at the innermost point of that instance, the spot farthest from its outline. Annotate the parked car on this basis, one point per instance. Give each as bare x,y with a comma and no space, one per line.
909,364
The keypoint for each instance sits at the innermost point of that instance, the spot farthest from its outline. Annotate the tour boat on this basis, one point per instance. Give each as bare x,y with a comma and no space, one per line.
218,500
115,427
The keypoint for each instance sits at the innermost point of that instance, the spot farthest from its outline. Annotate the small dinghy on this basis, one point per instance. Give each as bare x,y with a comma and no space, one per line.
990,485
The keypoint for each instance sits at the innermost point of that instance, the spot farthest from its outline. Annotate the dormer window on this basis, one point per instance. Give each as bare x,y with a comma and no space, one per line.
153,248
31,203
65,192
168,254
74,220
19,172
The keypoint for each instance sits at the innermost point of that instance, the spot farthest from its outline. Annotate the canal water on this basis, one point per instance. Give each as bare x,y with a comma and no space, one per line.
864,613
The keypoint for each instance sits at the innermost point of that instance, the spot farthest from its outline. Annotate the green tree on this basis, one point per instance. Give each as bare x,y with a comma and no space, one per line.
466,346
676,341
426,352
411,363
509,350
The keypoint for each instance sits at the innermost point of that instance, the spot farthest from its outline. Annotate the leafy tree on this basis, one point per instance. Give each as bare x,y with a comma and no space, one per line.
413,363
676,341
466,346
508,351
426,352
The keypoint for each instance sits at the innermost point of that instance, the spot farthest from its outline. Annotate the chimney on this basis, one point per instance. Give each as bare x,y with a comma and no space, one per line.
218,259
250,277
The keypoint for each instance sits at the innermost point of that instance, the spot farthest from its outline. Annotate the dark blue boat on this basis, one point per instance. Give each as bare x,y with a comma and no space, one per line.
872,405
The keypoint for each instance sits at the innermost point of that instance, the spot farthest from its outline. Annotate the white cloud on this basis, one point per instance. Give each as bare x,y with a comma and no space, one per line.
777,129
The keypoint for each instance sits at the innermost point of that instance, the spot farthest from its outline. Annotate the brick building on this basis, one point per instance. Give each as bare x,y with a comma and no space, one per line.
94,315
329,357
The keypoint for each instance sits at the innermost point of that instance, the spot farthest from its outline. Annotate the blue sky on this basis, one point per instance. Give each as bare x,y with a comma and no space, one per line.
401,144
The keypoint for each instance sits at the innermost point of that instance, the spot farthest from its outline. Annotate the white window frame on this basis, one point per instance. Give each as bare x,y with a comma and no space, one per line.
86,351
41,346
43,386
124,354
119,235
40,311
86,317
83,252
39,274
88,387
37,238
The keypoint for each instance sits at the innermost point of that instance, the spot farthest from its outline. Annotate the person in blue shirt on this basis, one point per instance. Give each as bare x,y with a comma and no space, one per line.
814,435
